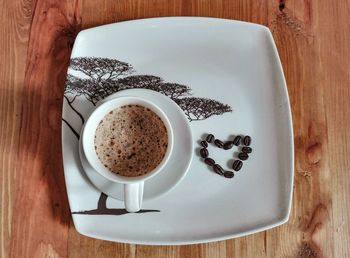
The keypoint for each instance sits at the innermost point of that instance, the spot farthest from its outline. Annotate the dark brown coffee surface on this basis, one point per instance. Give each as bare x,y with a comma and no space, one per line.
131,140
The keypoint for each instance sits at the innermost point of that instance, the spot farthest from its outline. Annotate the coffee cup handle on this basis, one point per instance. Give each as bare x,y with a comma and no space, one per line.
133,195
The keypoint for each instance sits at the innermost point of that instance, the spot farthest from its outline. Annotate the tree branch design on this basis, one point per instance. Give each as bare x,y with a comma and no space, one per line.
201,108
101,77
98,68
71,128
71,106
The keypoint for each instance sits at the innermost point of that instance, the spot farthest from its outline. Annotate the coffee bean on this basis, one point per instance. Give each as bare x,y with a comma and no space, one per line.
243,156
218,143
247,140
209,161
247,149
237,165
228,145
236,140
204,144
218,169
229,174
210,138
204,153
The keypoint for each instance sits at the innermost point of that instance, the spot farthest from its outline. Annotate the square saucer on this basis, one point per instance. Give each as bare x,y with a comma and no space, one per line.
227,77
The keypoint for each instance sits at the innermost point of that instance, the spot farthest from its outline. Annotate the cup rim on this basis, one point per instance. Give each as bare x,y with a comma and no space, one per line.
97,115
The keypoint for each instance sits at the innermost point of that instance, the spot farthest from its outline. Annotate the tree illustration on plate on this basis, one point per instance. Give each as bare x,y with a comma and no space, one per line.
101,77
95,78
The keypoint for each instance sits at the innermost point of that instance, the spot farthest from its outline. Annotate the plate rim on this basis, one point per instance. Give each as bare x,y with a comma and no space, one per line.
188,242
172,19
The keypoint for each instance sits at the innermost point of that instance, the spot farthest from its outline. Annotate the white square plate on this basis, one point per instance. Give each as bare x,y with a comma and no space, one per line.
230,63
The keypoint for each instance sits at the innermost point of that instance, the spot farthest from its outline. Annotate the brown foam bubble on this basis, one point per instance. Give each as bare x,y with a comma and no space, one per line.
131,140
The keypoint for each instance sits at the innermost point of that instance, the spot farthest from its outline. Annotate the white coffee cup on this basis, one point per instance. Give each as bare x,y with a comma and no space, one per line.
133,186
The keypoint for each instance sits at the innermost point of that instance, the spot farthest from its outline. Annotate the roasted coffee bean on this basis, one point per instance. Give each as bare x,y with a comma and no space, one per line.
229,174
204,144
218,143
228,145
247,149
247,140
209,161
210,138
204,153
237,165
218,169
236,140
243,156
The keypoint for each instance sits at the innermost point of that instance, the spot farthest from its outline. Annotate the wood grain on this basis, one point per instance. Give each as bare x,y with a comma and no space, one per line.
14,31
36,38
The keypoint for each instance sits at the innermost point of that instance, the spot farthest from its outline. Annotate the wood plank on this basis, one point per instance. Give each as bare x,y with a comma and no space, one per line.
40,225
303,39
14,30
312,38
334,59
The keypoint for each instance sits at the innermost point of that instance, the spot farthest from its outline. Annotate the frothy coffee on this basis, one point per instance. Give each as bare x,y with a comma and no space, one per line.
131,140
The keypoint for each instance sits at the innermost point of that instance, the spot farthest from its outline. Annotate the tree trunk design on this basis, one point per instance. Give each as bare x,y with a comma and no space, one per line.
103,210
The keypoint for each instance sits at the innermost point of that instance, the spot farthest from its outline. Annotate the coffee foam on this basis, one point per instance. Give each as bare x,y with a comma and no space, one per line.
131,140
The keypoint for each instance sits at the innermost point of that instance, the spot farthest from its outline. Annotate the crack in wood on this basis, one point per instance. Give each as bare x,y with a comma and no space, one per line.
282,5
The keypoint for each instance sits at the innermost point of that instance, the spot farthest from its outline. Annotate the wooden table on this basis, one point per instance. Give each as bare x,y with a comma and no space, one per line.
313,39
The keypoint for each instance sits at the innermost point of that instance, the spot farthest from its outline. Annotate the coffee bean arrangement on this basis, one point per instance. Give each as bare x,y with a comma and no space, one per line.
237,164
